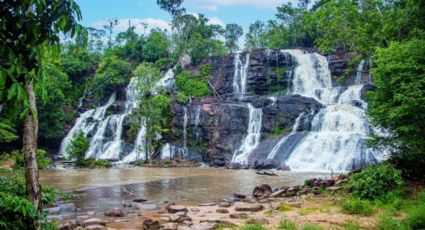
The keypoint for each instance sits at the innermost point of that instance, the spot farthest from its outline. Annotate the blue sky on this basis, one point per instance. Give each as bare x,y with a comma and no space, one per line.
242,12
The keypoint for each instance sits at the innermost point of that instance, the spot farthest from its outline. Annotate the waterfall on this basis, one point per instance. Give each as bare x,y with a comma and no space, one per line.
359,73
337,139
240,76
105,132
86,123
273,99
252,138
311,77
276,148
185,119
197,129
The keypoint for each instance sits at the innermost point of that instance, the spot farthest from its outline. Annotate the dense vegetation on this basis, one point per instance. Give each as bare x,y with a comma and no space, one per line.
44,82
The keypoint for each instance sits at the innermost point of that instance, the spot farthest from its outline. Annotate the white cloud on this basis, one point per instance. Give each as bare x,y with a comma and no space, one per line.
214,5
139,23
216,21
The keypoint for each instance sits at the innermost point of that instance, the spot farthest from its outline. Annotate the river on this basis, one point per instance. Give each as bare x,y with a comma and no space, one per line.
102,189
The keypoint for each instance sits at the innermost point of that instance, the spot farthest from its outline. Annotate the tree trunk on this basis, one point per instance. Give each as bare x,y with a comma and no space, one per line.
30,149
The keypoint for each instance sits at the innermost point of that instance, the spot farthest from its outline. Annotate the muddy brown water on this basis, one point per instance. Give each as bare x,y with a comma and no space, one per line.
102,189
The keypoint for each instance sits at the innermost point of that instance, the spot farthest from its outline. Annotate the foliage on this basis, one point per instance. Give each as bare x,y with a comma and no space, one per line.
156,46
192,85
163,63
397,104
78,147
154,106
130,46
112,73
385,222
42,160
287,225
232,33
351,225
182,98
7,131
77,62
172,6
19,213
357,206
254,39
416,215
375,181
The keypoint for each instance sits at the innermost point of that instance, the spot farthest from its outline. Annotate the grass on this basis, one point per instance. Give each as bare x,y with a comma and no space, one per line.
253,227
385,222
287,225
308,211
357,207
311,227
351,225
284,208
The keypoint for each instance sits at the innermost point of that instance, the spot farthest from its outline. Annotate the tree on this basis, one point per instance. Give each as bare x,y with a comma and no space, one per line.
254,38
156,46
28,28
112,73
398,103
154,107
232,33
110,28
172,7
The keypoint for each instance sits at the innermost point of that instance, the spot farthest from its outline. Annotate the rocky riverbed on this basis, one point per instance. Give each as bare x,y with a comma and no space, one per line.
310,203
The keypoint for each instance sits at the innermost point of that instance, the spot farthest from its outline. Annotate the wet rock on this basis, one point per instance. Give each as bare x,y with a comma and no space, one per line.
333,188
95,227
265,173
177,208
188,223
206,204
179,218
247,207
239,195
114,213
205,226
292,191
52,211
249,200
139,200
224,204
94,221
146,207
67,207
150,224
222,210
69,226
263,190
266,164
195,210
169,226
278,193
238,216
262,221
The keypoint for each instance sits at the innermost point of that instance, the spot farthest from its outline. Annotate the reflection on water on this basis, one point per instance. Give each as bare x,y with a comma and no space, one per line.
107,188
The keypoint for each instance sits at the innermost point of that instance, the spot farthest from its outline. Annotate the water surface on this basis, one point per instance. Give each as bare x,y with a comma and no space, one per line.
102,189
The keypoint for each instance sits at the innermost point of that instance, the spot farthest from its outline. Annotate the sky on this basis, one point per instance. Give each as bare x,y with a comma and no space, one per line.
243,12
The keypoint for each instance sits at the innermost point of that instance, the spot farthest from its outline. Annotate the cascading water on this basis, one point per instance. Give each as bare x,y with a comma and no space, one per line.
241,74
185,119
197,129
86,123
105,133
337,139
359,73
252,138
276,148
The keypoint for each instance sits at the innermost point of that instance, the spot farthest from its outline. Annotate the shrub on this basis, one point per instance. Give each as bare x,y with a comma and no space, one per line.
19,213
385,222
42,160
357,206
287,225
78,147
182,98
416,216
192,85
374,181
